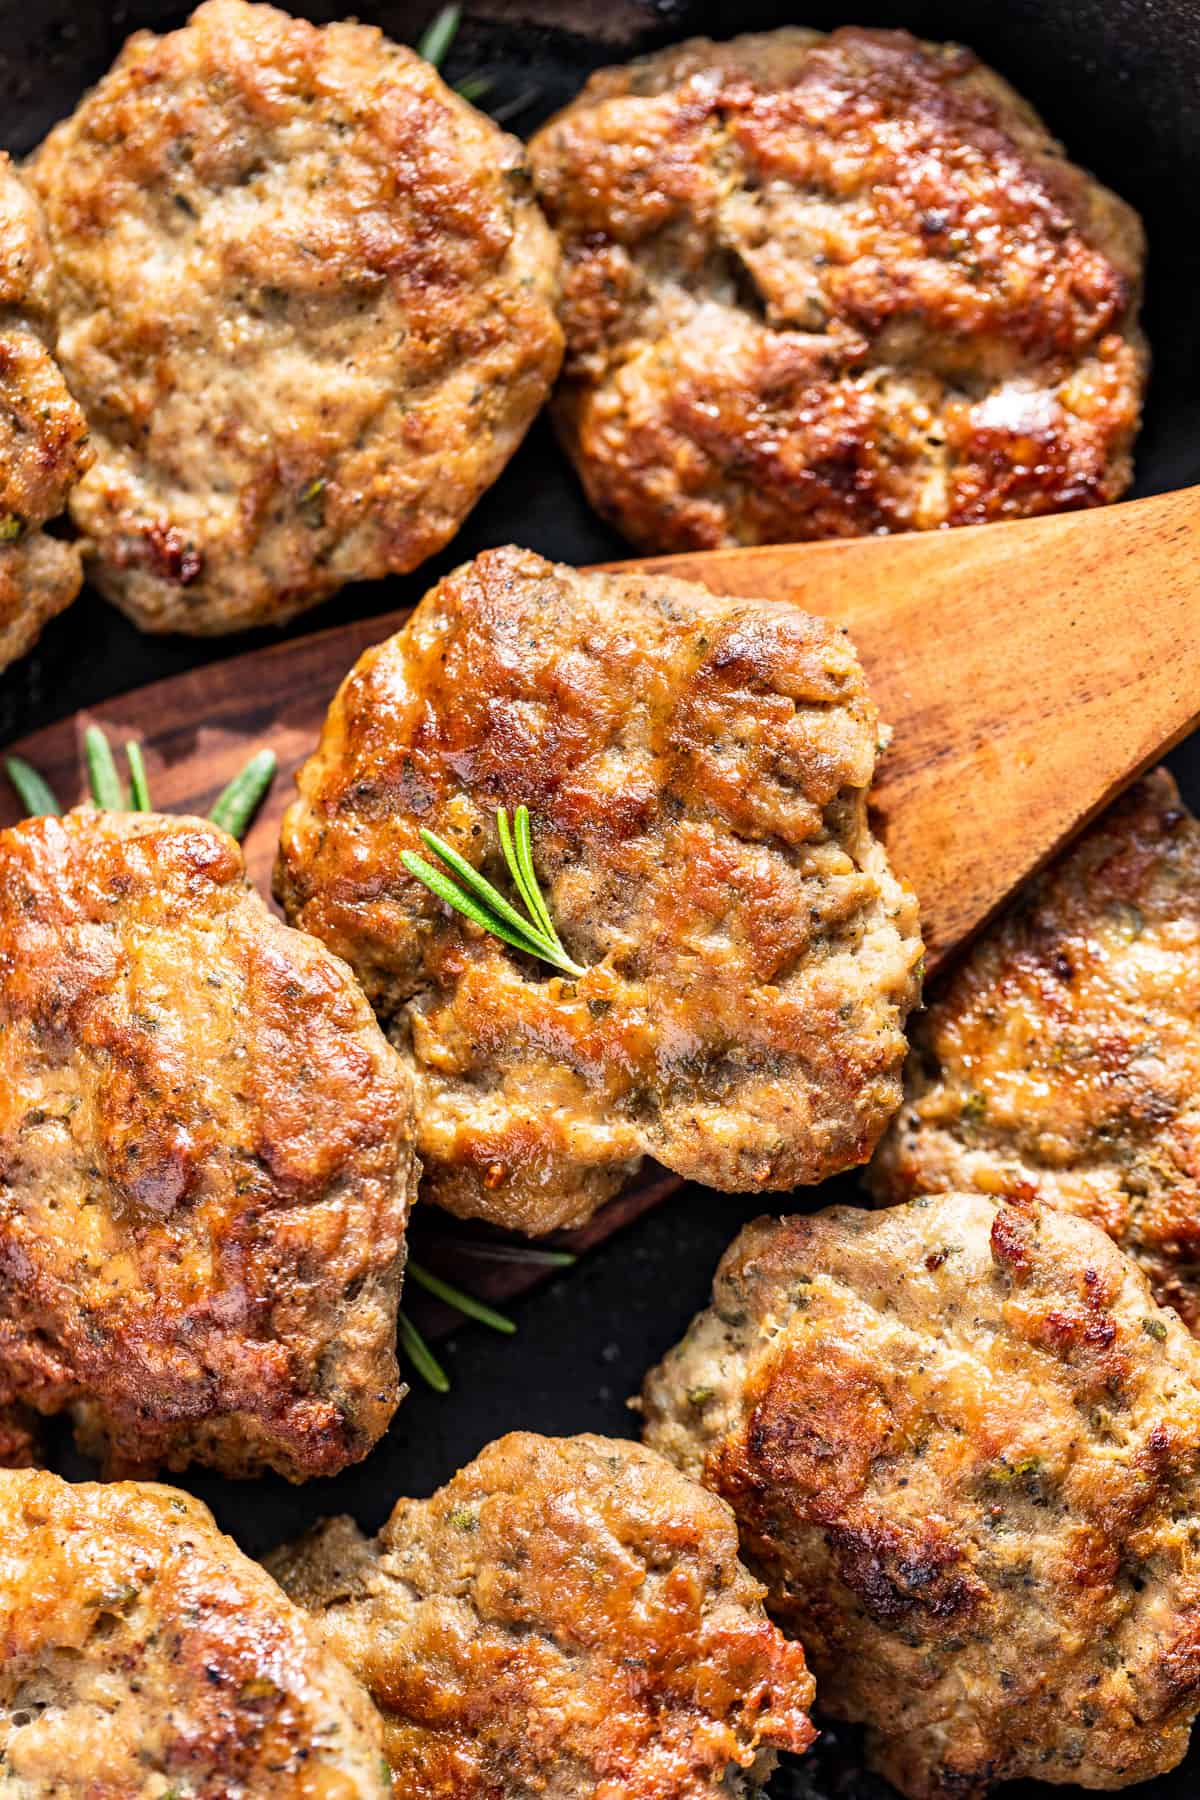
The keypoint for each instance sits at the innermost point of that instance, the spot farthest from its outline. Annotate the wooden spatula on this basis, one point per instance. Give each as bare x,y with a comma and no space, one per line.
1029,671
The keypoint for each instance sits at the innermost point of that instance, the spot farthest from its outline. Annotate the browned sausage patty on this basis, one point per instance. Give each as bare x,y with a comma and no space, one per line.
697,770
205,1158
821,286
1062,1059
567,1617
308,305
963,1445
143,1656
43,435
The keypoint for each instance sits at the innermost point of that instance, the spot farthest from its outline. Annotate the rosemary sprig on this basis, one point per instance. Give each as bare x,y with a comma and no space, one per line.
421,1356
33,790
472,895
105,783
466,1304
233,811
139,787
435,41
237,804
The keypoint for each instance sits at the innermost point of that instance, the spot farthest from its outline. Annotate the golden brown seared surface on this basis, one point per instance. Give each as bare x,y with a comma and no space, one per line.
308,304
567,1617
697,771
205,1158
963,1445
823,286
43,434
1062,1061
141,1654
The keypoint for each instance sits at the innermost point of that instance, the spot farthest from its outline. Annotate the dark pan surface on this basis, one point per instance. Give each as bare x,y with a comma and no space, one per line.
1116,80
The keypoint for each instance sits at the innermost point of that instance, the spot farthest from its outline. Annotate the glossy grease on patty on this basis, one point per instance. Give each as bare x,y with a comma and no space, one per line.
206,1158
697,770
1062,1058
963,1445
825,286
566,1617
143,1656
43,434
307,302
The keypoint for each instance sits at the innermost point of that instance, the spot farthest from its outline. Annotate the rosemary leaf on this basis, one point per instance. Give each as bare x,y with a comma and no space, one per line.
139,787
33,790
105,783
481,887
524,1255
237,804
474,88
435,41
526,891
538,909
463,1303
521,937
421,1356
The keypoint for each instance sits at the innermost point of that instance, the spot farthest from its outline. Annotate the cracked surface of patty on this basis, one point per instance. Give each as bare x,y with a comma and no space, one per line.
43,434
825,286
142,1655
697,772
566,1617
1062,1059
307,302
963,1445
205,1158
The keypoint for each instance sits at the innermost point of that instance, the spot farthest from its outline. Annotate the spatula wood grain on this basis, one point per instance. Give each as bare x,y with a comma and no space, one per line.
1027,670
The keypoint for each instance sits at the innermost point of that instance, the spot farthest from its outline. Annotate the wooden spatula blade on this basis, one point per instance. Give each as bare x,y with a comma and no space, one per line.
1029,671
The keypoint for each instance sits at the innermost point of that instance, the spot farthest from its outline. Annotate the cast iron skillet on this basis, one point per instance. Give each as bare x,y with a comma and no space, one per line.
1117,81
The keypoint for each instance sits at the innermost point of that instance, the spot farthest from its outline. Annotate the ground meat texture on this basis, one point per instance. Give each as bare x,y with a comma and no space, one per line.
963,1444
143,1656
697,771
205,1158
1062,1059
567,1617
825,286
43,435
307,302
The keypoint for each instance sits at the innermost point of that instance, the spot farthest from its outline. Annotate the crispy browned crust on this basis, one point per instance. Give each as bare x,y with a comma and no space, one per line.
962,1442
308,303
1062,1060
141,1654
205,1158
567,1617
697,770
823,286
43,434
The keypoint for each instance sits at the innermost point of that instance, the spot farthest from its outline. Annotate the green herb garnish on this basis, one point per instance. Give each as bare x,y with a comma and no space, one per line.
233,811
435,41
103,779
463,1303
33,790
421,1356
238,803
472,895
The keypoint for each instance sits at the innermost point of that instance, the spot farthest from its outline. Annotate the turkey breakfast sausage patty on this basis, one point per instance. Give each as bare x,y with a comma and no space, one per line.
43,434
1062,1059
205,1158
566,1617
824,286
697,771
308,306
143,1656
963,1444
